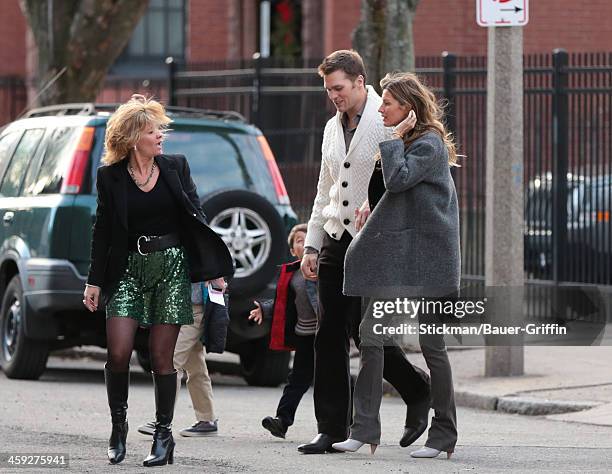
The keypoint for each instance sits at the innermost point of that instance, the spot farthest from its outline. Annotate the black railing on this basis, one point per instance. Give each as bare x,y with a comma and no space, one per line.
567,143
566,137
284,98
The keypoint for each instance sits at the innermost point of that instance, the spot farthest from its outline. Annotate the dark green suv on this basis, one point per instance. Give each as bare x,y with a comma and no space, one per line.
48,163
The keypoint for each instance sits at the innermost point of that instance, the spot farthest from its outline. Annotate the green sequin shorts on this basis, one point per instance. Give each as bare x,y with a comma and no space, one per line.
155,289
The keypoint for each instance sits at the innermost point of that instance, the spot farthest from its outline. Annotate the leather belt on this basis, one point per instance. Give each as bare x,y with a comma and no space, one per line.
146,244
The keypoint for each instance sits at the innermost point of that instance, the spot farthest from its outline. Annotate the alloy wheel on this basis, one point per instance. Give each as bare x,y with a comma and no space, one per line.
247,236
10,330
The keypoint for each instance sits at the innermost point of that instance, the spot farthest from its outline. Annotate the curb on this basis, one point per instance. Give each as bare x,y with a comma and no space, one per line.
514,404
539,406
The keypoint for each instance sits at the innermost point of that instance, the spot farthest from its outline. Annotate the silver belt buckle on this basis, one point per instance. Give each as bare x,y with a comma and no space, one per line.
147,239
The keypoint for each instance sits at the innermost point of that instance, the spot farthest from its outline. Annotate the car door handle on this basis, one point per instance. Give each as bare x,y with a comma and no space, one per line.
8,217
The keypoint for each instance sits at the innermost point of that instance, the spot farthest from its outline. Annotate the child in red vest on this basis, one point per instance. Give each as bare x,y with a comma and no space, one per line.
294,322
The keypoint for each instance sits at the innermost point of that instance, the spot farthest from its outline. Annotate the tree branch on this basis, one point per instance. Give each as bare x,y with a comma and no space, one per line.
384,37
86,36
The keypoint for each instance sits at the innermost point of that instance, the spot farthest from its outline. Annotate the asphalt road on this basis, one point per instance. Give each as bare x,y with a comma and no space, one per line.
66,412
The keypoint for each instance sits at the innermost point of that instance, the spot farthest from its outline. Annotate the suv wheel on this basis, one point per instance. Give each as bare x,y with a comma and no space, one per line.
262,367
253,231
21,358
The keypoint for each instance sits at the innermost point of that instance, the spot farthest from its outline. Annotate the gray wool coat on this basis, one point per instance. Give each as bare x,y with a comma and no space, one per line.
409,245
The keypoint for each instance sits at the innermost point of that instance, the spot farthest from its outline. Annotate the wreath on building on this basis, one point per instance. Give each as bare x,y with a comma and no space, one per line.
285,30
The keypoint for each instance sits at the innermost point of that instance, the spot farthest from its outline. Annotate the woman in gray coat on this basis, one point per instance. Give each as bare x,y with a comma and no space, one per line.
407,248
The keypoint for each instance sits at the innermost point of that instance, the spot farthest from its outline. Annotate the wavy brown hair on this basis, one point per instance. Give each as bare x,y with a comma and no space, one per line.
407,89
127,123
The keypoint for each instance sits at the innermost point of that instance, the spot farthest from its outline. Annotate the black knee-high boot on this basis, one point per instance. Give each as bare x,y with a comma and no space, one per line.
162,450
117,386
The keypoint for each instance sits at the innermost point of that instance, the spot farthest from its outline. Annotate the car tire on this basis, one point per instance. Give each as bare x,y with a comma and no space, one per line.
21,357
254,232
262,367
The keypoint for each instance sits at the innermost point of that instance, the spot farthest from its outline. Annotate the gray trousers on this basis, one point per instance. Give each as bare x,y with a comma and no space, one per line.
367,396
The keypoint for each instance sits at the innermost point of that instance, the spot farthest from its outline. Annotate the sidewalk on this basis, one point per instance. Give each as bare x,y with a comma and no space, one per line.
563,383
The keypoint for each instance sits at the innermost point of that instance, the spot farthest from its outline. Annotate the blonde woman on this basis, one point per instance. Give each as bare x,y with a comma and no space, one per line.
407,247
150,241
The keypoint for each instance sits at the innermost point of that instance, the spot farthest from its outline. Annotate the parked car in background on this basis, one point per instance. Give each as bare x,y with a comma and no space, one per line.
588,254
48,163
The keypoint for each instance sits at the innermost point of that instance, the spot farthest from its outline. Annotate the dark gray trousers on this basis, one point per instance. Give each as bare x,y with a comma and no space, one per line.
367,396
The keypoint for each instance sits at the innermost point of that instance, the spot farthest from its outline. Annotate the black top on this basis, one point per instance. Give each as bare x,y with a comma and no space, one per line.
155,212
376,188
207,254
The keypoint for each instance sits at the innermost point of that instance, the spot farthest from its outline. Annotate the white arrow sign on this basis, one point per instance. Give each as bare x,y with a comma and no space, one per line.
502,12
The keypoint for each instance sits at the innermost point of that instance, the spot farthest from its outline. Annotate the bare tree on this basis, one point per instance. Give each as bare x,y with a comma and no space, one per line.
312,29
383,37
77,41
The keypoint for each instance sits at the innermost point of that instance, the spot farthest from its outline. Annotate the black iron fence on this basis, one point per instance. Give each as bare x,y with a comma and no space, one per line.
567,139
567,160
13,93
566,135
285,98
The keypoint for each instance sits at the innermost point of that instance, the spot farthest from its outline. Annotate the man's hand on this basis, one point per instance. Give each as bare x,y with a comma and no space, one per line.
361,215
91,296
256,314
309,266
218,283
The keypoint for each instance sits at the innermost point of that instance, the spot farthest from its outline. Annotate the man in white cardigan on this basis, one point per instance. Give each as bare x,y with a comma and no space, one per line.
350,142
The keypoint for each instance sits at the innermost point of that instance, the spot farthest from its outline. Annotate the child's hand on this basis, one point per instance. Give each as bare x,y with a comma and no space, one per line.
256,314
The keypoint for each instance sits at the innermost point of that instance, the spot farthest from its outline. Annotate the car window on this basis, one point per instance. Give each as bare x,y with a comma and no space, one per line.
599,195
214,160
256,164
7,144
24,153
47,178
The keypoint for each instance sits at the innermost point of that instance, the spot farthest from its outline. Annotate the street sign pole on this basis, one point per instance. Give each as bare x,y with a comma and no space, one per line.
504,273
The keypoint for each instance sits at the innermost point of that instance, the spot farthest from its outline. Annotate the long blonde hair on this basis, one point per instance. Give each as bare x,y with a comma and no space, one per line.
127,123
407,89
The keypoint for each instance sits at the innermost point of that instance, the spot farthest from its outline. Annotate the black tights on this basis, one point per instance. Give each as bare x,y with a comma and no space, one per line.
120,332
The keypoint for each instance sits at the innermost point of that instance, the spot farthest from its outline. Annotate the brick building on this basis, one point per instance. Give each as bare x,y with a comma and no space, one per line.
219,30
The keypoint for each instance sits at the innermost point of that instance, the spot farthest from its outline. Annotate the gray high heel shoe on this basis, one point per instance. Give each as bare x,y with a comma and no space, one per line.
351,445
426,452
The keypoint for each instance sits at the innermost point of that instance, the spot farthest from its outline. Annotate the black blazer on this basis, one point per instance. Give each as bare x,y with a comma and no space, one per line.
207,254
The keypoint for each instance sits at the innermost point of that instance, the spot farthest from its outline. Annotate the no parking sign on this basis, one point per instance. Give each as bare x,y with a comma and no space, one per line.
502,12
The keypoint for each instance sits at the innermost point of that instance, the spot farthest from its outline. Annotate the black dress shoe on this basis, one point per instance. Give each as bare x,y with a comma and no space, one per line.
411,434
322,443
274,426
417,416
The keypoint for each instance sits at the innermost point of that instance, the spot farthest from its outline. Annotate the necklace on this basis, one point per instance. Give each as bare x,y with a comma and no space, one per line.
141,185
